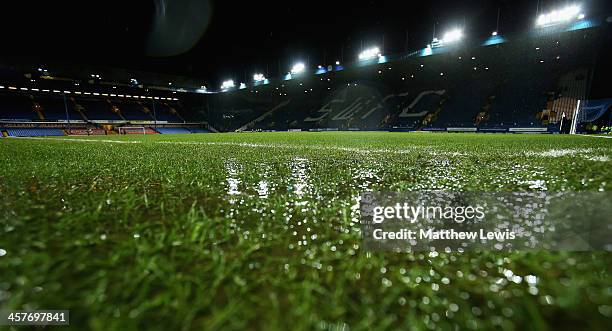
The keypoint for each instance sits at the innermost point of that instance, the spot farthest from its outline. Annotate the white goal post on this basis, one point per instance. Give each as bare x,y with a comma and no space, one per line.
132,130
575,119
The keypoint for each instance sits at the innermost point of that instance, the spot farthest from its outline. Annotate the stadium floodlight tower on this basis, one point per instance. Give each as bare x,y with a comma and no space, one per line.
563,15
369,54
259,77
228,84
298,68
452,36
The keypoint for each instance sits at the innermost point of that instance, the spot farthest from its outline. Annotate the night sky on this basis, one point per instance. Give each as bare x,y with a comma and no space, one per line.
214,40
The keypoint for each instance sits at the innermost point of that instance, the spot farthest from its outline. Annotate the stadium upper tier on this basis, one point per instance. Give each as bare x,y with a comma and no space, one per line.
526,82
36,105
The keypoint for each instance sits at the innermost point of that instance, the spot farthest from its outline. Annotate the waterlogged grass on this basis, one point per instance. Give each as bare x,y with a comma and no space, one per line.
260,231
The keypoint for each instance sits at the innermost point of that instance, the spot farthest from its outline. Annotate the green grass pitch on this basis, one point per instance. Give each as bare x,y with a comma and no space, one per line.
259,231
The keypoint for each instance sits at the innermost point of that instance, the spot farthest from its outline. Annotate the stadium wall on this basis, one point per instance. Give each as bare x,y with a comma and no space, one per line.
524,83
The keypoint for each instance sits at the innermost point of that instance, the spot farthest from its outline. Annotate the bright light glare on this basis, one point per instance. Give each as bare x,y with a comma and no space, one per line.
562,15
369,53
494,33
297,68
227,84
452,36
259,77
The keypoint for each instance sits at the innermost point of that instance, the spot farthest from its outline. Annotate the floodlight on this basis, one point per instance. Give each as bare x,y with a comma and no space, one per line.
298,68
369,53
561,15
452,36
227,84
494,33
259,77
337,63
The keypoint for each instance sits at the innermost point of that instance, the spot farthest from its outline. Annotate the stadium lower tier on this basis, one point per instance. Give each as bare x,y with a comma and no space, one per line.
172,130
33,132
84,131
49,107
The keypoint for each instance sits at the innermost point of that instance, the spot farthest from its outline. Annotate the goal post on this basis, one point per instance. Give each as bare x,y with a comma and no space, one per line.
575,118
590,116
132,130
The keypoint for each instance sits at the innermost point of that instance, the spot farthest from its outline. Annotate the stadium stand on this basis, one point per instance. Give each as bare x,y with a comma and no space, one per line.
86,131
181,130
172,130
134,111
94,109
53,108
528,81
165,112
198,130
16,107
34,132
471,86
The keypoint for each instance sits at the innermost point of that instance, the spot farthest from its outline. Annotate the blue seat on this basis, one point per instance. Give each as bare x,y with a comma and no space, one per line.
172,130
35,132
198,130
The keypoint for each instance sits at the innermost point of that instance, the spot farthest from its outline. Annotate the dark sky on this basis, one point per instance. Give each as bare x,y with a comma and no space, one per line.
214,40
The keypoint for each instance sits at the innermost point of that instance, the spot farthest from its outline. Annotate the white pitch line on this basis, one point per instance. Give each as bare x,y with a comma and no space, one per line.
243,144
429,149
586,135
319,147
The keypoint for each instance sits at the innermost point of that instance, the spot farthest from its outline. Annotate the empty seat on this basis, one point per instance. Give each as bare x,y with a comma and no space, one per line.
172,130
34,132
